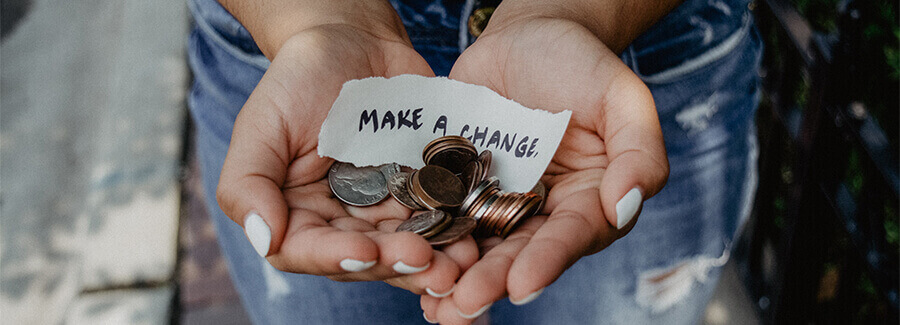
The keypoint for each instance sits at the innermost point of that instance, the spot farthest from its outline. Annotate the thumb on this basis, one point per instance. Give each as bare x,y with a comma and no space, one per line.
249,190
638,167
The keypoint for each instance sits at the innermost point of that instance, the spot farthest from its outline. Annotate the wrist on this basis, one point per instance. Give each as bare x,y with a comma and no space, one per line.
616,23
272,23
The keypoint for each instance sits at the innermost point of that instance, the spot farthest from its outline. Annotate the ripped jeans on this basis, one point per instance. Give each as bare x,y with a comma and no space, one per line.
699,62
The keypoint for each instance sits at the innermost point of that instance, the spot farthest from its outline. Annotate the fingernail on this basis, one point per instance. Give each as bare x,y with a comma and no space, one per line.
527,299
627,207
440,295
475,314
428,320
258,232
406,269
352,265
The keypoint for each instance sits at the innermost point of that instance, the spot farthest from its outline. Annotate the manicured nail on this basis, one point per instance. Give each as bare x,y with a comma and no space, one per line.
440,295
258,232
428,320
406,269
527,299
475,314
352,265
627,207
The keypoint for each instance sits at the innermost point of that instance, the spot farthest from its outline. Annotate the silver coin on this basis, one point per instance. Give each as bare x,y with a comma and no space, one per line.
474,194
397,185
359,186
389,170
541,190
424,223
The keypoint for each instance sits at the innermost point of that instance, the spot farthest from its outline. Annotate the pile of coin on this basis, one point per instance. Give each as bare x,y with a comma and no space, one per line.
439,227
452,186
497,213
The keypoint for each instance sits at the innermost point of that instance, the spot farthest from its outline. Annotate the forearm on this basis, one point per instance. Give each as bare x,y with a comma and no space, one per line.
272,22
615,22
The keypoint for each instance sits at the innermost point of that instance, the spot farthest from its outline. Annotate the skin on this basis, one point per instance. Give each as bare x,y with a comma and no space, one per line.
541,55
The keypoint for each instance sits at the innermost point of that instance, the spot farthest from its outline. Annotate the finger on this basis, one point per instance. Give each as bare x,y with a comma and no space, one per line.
486,281
385,210
448,313
638,166
249,190
316,247
429,308
574,229
463,252
437,281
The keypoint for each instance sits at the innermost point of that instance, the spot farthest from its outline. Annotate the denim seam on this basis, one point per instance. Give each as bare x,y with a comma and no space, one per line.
256,60
708,57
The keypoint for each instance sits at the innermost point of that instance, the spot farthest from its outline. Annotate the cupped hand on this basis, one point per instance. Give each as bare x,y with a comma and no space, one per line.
273,182
611,158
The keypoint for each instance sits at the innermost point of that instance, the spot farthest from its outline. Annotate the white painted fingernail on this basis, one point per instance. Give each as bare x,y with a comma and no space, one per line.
528,298
428,320
475,314
627,207
406,269
440,295
258,232
352,265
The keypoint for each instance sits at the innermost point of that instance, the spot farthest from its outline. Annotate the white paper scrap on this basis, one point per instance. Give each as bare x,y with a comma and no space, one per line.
376,121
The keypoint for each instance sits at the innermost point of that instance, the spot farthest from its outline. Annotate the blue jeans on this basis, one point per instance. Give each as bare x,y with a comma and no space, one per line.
699,62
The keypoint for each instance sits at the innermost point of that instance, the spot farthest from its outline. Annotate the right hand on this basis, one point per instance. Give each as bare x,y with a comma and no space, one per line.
273,170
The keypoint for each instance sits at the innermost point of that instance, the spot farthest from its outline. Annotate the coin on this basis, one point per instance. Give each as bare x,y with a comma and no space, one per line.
389,170
476,193
397,185
430,223
541,190
528,209
438,188
472,175
442,141
451,152
453,159
441,226
460,228
485,158
359,186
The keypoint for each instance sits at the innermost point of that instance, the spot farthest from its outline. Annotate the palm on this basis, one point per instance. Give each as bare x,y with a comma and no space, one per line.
273,159
557,65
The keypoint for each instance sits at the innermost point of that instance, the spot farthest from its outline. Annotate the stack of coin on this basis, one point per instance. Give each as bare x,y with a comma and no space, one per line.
496,212
439,227
451,152
452,185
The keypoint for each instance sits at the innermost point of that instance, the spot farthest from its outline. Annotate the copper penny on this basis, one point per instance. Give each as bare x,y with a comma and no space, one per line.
472,175
425,223
453,159
459,229
397,185
485,158
440,187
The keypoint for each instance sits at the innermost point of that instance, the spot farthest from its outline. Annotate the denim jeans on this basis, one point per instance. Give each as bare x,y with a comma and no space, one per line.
700,62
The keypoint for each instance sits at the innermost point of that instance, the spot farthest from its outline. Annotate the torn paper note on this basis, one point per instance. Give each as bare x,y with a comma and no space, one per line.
377,120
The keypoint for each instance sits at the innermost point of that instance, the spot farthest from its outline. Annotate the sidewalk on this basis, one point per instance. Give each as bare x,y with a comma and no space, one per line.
91,138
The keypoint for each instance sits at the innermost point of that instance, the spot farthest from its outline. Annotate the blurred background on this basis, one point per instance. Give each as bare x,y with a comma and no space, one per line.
101,213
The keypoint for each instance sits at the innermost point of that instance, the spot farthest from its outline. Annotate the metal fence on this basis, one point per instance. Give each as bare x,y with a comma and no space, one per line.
815,250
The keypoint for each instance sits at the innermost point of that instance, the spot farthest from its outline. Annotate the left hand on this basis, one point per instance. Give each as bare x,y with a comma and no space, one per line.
613,145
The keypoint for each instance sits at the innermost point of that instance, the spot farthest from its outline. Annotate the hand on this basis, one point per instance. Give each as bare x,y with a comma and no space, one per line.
274,184
613,145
